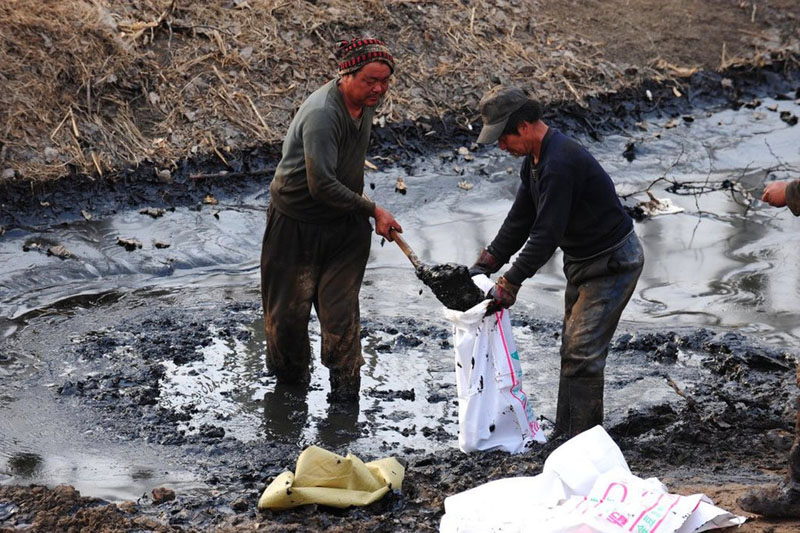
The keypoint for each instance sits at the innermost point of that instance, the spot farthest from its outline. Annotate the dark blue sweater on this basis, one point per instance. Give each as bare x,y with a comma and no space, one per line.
566,201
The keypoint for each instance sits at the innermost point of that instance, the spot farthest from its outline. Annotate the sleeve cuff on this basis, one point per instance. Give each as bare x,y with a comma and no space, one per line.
366,206
514,276
500,259
793,197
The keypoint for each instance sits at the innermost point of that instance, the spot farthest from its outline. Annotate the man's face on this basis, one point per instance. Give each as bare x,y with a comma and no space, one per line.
514,144
366,86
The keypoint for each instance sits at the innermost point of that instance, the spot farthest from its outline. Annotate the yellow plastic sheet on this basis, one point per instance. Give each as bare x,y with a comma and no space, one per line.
327,478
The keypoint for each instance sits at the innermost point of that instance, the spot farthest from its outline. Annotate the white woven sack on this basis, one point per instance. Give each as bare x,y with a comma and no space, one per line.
493,409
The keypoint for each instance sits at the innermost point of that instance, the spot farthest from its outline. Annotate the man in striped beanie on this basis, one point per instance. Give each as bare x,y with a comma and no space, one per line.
365,69
353,55
317,240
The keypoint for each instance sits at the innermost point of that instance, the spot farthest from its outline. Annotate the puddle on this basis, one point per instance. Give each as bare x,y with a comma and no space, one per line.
46,443
228,388
716,264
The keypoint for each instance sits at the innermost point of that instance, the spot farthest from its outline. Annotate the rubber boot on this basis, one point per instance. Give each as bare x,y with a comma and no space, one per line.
345,386
580,406
777,501
292,378
782,500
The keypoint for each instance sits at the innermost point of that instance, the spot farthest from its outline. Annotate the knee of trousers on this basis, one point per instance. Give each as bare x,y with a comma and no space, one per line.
583,357
342,352
583,364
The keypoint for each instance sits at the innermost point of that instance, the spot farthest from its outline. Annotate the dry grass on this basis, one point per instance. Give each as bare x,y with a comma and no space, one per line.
92,86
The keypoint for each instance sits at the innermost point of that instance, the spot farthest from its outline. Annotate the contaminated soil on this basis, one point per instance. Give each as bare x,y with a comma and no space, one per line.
730,423
452,285
176,113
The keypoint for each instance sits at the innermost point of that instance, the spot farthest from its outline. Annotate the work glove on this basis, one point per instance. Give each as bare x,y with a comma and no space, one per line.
485,264
503,295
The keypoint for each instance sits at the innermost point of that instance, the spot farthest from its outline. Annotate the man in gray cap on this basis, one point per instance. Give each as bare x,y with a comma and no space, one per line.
565,199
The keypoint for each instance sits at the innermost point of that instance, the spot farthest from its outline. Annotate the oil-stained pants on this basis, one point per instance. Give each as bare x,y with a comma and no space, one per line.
794,453
598,289
781,500
305,264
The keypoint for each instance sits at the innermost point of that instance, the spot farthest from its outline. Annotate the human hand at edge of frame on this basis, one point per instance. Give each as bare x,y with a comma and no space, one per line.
775,193
385,223
503,295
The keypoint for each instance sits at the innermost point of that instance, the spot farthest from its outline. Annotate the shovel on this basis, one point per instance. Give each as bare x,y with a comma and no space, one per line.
450,282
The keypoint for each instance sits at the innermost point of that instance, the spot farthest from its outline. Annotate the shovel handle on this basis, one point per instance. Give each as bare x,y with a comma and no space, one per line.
406,248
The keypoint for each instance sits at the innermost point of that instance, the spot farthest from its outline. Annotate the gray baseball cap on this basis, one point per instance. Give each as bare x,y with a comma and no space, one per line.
496,106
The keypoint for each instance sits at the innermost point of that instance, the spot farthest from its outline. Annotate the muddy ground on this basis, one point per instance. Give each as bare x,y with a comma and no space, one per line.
722,433
726,432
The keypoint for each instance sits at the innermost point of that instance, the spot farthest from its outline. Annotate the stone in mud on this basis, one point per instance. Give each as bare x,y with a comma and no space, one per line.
129,244
155,212
59,251
452,285
789,118
407,341
162,494
409,395
630,151
241,505
212,432
127,506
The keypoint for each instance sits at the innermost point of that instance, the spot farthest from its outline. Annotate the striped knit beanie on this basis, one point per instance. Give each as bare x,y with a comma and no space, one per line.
353,55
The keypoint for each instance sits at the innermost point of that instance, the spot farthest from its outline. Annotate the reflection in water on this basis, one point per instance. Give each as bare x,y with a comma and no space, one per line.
25,465
141,474
340,427
285,412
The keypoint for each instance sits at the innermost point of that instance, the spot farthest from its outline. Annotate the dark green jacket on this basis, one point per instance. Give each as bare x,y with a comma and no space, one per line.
320,177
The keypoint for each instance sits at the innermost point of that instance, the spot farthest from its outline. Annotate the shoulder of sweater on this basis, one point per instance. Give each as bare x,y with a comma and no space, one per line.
561,143
322,106
324,98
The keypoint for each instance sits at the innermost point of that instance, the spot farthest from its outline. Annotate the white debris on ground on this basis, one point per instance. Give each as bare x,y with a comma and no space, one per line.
658,206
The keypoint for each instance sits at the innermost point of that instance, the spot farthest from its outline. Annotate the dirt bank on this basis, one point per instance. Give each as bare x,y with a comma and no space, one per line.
124,91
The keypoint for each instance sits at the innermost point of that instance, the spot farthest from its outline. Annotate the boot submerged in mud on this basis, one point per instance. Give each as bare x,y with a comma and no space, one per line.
777,501
345,387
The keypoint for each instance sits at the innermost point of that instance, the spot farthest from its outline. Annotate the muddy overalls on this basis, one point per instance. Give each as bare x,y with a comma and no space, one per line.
305,264
567,200
598,289
317,243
